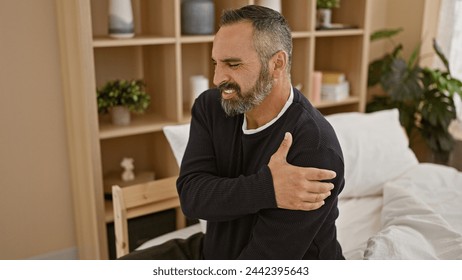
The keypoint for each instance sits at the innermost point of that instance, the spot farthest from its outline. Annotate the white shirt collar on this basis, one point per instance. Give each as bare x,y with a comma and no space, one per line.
263,127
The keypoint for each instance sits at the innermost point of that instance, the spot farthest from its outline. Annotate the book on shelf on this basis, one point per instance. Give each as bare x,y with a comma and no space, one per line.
335,92
330,77
316,82
334,86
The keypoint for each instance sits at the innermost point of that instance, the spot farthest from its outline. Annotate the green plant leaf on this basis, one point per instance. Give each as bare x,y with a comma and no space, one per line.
385,33
402,83
414,58
441,55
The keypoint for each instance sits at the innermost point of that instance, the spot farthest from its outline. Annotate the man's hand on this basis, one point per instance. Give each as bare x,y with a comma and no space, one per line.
298,188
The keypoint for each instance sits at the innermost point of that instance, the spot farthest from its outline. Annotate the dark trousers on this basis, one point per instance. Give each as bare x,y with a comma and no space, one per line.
175,249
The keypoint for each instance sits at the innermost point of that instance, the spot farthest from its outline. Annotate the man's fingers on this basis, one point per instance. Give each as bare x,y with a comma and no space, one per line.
317,174
316,197
284,147
308,206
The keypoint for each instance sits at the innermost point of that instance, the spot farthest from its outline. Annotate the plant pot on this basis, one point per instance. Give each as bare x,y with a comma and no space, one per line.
121,19
323,18
120,115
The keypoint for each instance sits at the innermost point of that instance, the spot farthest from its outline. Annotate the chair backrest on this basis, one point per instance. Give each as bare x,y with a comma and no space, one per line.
142,199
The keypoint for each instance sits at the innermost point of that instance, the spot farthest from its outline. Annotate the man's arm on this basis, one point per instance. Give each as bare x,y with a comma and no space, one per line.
287,234
205,195
298,188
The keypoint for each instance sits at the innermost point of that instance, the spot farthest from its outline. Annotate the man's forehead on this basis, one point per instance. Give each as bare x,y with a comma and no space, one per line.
233,41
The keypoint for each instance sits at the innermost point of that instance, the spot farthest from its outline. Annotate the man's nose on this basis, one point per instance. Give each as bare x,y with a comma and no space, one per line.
220,76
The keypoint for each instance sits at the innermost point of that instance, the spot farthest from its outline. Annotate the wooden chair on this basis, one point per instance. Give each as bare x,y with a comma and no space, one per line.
142,199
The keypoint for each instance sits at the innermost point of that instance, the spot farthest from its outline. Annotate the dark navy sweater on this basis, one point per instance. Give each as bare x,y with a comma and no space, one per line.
224,179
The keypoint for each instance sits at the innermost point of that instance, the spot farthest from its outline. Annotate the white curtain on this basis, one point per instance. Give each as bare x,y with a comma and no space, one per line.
449,37
449,34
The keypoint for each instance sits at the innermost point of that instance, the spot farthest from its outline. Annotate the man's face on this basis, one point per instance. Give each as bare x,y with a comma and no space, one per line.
239,75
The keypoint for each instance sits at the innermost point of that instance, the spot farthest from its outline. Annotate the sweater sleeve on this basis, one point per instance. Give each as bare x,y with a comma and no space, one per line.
287,234
206,195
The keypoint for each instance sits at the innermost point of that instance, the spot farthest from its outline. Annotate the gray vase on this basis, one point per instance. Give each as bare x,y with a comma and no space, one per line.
197,17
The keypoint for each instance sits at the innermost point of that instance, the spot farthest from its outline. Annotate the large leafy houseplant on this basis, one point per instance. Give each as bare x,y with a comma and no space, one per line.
423,96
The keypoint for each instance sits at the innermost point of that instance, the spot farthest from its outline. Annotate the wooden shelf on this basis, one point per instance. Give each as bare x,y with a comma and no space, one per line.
338,33
300,34
196,39
106,41
327,104
164,59
139,125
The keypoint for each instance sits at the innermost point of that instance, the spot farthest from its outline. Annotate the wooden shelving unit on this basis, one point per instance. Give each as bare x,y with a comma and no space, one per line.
165,59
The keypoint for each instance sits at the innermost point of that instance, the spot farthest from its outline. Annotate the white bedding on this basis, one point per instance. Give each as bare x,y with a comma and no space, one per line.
419,216
359,219
392,207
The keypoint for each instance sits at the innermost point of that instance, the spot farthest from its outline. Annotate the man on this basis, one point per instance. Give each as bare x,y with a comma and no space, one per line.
261,199
228,174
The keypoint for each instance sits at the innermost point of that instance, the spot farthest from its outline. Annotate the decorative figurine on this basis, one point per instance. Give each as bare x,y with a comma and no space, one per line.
127,164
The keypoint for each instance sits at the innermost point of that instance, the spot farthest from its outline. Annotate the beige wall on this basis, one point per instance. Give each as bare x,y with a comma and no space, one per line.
36,216
418,18
35,204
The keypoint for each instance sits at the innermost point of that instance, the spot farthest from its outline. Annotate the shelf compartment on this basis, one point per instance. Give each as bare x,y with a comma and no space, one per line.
297,14
150,152
351,12
300,73
156,65
342,54
161,25
195,60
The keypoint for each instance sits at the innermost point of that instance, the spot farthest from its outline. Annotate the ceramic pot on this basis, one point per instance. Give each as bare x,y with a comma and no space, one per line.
197,17
121,19
324,18
120,115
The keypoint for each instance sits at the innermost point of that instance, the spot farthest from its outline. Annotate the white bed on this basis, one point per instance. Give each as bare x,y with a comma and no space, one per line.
392,207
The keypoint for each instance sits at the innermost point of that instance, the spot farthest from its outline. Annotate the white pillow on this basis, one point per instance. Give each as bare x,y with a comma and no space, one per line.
375,150
177,137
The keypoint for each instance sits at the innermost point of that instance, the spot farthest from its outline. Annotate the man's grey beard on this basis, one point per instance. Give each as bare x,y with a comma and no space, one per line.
249,100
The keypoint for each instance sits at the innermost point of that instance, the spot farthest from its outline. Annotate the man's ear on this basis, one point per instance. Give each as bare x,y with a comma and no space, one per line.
279,63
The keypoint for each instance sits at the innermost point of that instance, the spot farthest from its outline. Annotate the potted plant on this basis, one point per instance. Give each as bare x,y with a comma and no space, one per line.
423,96
324,12
120,97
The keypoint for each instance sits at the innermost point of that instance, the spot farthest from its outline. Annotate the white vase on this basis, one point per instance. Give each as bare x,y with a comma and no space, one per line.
120,115
121,19
272,4
198,84
324,18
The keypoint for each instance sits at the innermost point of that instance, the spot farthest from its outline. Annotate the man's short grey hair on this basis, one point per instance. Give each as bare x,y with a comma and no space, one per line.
271,30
